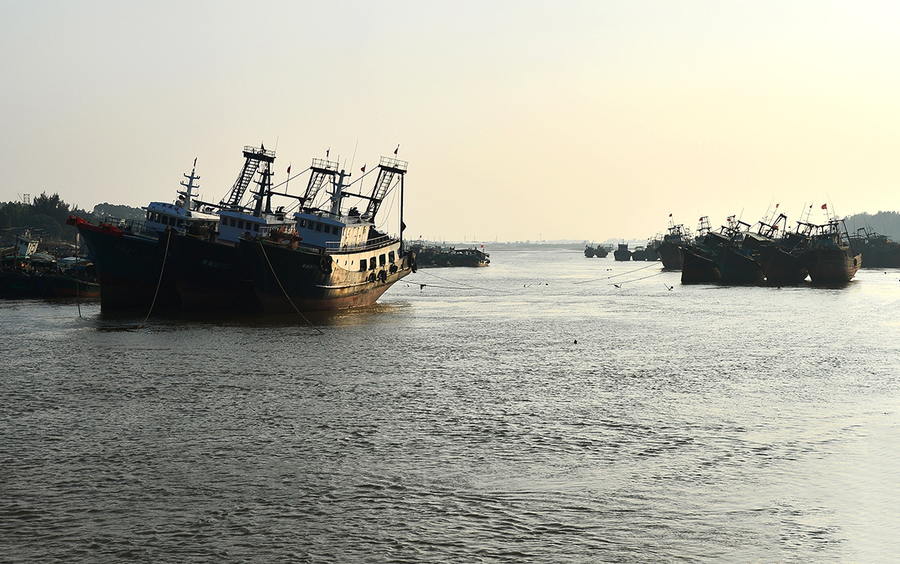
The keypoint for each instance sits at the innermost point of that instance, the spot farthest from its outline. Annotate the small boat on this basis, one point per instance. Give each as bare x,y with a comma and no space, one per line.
440,255
639,253
600,251
622,253
589,251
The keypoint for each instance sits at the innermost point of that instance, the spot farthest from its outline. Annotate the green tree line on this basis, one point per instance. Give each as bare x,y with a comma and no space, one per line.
45,216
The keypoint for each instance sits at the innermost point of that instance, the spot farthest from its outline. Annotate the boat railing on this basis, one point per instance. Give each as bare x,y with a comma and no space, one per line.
129,226
335,247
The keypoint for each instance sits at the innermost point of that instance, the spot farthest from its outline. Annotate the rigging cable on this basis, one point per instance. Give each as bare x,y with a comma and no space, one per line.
162,269
262,247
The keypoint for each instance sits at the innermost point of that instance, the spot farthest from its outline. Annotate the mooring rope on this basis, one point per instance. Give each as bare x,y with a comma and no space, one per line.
162,269
649,264
459,285
263,248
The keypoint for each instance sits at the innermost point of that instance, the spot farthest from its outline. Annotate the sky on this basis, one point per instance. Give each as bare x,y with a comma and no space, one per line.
520,120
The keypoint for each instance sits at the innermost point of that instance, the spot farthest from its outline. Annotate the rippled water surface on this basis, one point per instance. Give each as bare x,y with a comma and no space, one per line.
548,408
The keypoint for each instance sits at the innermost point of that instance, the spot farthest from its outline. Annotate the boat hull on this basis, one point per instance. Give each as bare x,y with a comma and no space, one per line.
832,265
670,255
210,276
696,268
128,268
288,279
780,267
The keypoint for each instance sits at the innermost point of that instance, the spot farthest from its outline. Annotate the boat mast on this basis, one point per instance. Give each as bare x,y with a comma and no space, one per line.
253,157
189,192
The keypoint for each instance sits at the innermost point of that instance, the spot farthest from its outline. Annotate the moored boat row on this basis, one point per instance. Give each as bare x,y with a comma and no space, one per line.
735,254
240,253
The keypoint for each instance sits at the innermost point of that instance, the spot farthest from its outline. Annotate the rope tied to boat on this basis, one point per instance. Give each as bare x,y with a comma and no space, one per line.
262,247
162,270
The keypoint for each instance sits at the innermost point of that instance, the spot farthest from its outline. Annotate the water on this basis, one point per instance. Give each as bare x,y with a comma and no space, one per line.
462,422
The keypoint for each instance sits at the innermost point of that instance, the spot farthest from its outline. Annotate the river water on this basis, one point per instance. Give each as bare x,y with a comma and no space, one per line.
548,408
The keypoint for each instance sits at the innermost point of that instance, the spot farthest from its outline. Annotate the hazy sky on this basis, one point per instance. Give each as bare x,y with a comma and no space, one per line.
520,120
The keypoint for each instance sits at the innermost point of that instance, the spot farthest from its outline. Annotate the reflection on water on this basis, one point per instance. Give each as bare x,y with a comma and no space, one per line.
461,421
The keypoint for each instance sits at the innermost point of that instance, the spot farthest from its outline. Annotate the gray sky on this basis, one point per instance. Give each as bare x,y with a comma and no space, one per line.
520,120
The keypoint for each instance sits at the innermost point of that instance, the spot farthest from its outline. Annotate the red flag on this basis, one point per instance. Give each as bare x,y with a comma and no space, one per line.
363,168
670,215
289,169
824,206
195,161
776,206
397,149
327,152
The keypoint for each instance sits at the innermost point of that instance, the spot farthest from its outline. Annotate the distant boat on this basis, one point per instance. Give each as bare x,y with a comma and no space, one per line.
639,253
622,253
878,250
669,249
589,251
440,255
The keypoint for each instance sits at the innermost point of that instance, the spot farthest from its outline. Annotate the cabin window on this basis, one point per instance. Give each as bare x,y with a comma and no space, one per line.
232,222
318,226
302,223
372,263
391,256
240,224
362,265
327,229
381,260
336,231
256,227
180,223
311,225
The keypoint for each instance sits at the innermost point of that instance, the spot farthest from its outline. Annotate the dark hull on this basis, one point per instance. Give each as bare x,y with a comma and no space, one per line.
831,265
738,268
210,276
69,287
880,257
622,256
288,279
780,267
23,285
128,269
670,255
697,268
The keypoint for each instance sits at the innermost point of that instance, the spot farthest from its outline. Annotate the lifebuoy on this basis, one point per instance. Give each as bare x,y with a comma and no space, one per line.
325,264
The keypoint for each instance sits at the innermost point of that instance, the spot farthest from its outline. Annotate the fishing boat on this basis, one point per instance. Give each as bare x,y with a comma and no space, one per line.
777,250
622,253
441,255
669,249
339,258
733,264
128,256
206,266
829,257
589,251
880,251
